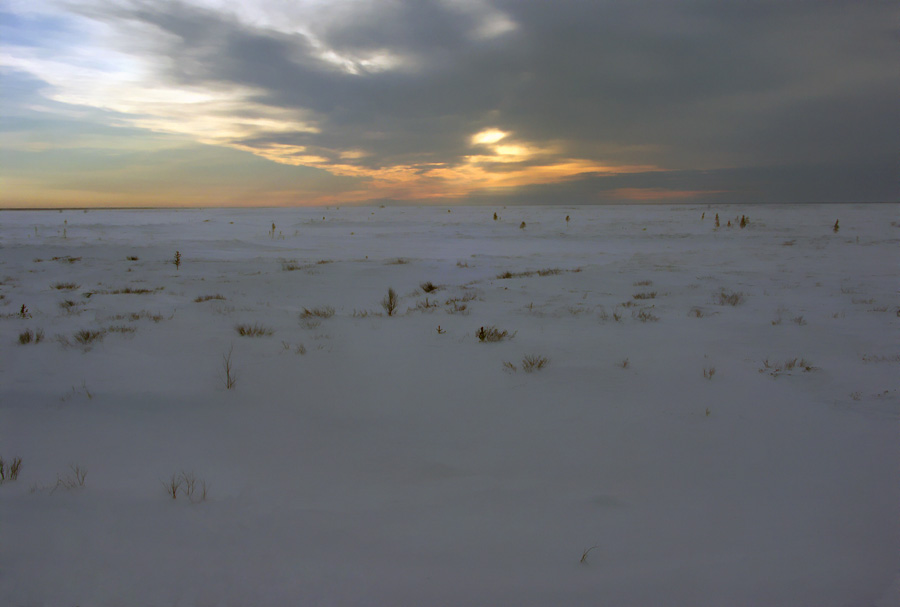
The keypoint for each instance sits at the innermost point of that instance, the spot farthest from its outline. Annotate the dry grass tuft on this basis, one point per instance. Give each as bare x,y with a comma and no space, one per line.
86,337
648,295
730,298
320,312
644,315
65,286
545,272
10,472
492,334
291,265
202,298
776,369
254,330
531,363
31,337
429,287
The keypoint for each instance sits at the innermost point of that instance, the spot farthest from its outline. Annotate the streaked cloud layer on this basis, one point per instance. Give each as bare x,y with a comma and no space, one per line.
315,102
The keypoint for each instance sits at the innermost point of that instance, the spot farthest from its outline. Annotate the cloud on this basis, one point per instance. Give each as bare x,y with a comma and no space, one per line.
424,100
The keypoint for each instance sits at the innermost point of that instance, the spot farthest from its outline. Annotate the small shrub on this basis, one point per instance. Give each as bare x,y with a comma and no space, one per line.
390,302
254,330
320,312
65,286
522,226
799,320
73,480
132,258
836,227
491,334
428,287
228,368
730,298
173,485
31,337
708,372
531,363
202,298
194,488
177,260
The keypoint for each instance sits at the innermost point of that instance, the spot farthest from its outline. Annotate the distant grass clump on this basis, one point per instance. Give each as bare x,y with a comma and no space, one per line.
532,363
132,258
492,334
320,312
65,286
730,298
648,295
425,305
86,337
31,337
10,471
202,298
428,287
644,315
71,307
775,369
254,330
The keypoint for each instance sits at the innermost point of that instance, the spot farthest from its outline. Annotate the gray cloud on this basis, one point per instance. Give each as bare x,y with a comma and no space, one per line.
747,90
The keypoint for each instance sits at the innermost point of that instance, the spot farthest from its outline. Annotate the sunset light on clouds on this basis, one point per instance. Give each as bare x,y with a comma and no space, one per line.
207,102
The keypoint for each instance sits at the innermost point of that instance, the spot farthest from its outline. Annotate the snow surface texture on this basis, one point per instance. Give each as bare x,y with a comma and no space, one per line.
716,422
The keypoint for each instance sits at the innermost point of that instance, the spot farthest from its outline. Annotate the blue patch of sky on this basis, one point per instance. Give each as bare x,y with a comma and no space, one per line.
38,31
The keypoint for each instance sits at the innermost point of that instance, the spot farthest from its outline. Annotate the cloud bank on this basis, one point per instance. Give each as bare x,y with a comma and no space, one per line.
468,100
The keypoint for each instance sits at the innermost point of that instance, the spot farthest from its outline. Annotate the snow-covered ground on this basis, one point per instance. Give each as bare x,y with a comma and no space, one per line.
366,459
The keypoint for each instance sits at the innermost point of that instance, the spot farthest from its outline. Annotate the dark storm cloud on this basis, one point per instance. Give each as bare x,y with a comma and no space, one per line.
682,85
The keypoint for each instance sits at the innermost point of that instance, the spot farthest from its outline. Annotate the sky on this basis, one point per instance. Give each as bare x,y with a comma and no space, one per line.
331,102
